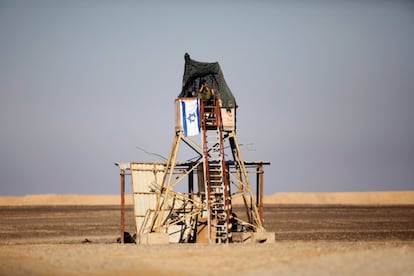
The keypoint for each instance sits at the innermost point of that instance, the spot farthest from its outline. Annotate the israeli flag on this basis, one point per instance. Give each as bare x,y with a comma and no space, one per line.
190,116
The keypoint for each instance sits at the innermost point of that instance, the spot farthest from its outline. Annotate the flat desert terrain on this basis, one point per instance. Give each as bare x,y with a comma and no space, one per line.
311,239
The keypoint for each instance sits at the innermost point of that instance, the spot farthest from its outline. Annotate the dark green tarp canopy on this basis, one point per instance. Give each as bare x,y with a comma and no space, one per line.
195,72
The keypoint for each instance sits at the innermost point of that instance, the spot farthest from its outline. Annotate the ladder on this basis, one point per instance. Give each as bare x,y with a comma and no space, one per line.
217,187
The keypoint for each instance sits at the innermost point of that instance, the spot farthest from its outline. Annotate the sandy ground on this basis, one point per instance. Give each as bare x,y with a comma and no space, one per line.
310,240
283,258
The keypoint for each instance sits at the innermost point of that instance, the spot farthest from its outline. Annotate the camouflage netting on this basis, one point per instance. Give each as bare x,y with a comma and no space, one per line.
195,72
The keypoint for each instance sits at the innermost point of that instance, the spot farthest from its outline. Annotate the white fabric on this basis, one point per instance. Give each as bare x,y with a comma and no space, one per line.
190,116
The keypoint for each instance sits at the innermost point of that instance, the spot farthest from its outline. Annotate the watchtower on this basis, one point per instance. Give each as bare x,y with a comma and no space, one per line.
205,109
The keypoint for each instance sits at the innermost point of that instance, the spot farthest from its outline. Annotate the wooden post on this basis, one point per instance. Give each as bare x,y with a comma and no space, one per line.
122,205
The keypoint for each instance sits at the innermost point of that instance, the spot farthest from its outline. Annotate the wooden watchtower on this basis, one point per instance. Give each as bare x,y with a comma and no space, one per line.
207,125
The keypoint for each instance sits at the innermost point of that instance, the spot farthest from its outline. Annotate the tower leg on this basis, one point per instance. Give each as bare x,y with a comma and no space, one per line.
158,218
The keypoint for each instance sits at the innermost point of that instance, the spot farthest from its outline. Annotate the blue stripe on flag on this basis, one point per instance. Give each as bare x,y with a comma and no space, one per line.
198,116
183,118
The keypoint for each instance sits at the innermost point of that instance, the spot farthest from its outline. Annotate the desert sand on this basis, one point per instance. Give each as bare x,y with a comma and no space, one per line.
285,258
346,198
76,235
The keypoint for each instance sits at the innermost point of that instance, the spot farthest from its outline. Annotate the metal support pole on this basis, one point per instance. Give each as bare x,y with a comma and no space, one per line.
260,177
122,205
257,188
191,184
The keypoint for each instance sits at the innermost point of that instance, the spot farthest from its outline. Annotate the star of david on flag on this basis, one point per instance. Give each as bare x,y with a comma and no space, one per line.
190,116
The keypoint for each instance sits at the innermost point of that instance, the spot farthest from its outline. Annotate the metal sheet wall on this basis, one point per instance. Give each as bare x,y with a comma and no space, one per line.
143,175
228,116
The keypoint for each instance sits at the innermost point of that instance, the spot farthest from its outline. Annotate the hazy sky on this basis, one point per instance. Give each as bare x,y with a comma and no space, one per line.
325,89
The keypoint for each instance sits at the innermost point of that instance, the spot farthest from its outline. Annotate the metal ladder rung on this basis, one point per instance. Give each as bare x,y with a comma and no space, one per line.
213,155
